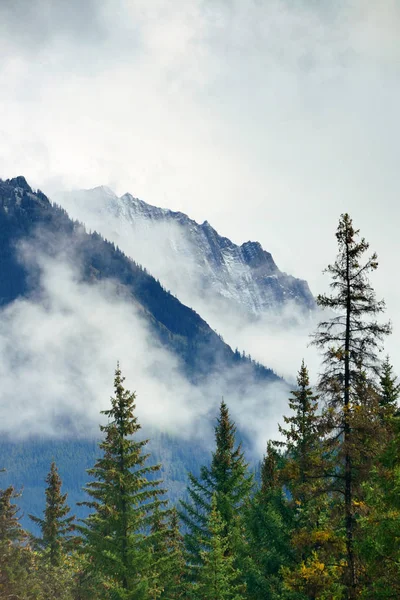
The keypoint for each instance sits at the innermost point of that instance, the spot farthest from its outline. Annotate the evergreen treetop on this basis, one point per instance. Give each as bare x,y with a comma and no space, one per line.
301,439
219,577
227,479
389,388
56,527
124,498
350,338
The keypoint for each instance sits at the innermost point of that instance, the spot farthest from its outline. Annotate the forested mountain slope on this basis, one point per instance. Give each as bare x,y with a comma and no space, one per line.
28,217
25,213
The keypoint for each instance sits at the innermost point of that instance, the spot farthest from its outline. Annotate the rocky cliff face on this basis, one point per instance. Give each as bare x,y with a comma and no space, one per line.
191,259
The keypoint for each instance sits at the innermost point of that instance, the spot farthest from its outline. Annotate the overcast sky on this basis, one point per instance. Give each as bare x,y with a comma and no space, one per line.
268,118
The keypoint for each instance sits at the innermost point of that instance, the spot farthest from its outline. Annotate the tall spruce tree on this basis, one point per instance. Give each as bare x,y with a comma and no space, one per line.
350,341
56,526
301,439
380,520
389,388
17,562
269,522
168,561
173,574
227,479
125,496
219,578
304,476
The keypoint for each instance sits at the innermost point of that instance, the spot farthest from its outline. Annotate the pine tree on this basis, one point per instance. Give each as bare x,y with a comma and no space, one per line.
350,341
11,531
56,527
303,476
17,564
380,519
219,577
380,529
227,479
301,440
169,565
389,388
269,521
124,497
175,582
159,556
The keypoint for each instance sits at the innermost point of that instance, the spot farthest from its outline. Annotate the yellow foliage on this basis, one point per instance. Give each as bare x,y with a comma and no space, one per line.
322,536
313,578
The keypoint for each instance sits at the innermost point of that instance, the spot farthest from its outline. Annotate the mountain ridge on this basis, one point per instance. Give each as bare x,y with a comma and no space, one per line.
203,354
177,326
243,277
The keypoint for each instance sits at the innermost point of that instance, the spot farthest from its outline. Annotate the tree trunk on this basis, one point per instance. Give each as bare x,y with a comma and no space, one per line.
348,482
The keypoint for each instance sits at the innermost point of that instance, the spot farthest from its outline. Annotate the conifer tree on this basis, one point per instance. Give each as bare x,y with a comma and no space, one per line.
303,476
56,526
168,562
10,528
380,530
17,566
227,479
380,519
219,577
301,440
389,388
124,496
269,521
350,341
175,587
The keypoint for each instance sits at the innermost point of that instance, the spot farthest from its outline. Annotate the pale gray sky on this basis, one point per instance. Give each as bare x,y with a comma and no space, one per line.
268,118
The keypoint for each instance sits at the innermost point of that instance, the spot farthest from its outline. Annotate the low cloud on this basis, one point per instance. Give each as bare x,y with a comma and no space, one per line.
279,338
59,349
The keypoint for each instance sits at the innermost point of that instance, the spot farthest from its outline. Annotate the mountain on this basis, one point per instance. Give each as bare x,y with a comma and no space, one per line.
31,224
29,221
200,266
24,212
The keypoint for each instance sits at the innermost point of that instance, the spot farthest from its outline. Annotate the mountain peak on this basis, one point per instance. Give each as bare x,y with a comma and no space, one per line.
102,191
191,258
19,182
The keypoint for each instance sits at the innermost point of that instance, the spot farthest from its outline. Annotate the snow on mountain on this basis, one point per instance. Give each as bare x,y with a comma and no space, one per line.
192,260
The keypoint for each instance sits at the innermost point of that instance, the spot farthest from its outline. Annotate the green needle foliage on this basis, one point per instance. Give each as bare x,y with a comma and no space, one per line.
168,560
218,577
17,562
350,340
125,495
305,477
389,388
301,439
269,522
380,521
56,527
227,479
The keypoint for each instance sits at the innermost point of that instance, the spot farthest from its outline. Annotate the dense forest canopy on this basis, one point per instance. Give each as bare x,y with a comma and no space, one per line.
322,522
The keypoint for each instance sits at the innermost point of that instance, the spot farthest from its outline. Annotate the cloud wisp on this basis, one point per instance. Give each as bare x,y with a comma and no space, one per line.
278,339
59,349
268,119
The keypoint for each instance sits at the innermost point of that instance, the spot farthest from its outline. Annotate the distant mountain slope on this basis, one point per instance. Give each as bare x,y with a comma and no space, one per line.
192,260
27,464
23,211
205,360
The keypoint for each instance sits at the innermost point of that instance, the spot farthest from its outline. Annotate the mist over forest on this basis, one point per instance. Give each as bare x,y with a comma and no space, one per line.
199,358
